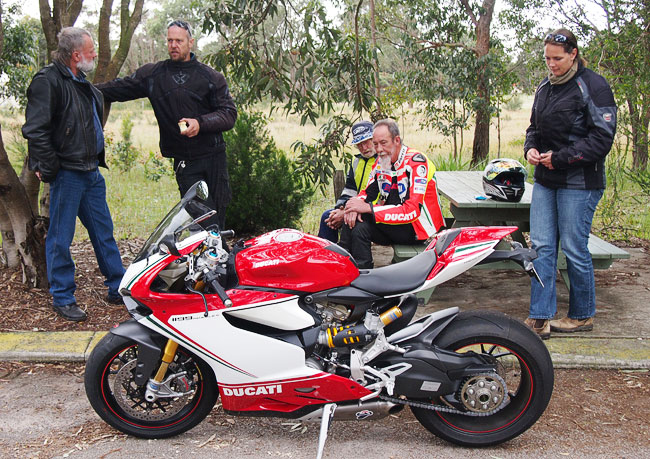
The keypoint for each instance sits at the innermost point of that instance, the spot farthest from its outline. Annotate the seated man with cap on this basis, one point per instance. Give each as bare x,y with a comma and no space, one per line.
357,178
400,203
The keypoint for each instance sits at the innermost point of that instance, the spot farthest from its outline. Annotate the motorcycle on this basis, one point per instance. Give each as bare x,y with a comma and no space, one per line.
285,325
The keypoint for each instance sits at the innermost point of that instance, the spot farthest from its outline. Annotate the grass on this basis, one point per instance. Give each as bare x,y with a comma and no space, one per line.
138,204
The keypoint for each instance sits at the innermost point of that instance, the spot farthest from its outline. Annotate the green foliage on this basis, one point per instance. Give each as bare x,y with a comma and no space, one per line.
610,218
315,161
267,194
156,167
289,54
21,57
450,70
124,154
641,177
514,103
451,163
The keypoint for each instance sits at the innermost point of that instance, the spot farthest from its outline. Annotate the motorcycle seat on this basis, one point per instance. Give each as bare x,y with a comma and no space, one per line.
398,278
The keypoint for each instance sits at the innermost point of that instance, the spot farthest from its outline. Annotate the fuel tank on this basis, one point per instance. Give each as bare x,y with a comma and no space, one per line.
290,259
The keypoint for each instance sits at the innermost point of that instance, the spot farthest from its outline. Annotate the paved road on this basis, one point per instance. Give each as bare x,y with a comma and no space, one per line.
44,413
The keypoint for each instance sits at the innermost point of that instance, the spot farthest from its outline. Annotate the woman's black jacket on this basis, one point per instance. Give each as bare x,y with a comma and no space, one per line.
577,122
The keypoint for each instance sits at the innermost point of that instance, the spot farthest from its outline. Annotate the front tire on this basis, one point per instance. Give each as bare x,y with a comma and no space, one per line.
523,362
113,394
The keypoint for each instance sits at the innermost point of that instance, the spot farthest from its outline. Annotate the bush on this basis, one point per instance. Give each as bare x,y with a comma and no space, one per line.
156,167
124,153
266,192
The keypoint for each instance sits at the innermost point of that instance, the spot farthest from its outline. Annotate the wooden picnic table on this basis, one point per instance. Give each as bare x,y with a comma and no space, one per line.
462,188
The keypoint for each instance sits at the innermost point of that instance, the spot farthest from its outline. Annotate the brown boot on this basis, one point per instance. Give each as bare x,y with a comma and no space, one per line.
540,326
567,325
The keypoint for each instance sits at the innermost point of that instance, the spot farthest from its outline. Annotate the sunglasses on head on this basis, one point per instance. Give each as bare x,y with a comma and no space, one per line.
182,25
557,38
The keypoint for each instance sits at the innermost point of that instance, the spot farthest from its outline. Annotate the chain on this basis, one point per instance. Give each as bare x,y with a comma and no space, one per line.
447,409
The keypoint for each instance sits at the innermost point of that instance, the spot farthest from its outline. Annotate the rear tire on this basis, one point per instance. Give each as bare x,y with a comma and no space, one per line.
525,366
113,394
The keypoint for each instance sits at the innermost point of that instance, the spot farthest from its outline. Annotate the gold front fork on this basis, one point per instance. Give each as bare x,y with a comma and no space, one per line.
167,358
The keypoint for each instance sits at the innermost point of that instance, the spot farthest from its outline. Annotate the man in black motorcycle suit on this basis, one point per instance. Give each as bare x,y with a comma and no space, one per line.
193,107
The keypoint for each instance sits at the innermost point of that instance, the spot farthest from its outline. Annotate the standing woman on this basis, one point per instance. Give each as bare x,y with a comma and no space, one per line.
572,127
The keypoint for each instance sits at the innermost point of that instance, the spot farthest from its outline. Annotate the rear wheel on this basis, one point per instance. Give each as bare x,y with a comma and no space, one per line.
113,393
523,363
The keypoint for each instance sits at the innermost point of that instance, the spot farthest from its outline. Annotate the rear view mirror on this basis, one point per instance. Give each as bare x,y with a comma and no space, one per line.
199,190
202,190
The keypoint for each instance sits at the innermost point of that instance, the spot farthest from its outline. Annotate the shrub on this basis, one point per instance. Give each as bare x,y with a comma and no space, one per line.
267,194
156,167
451,163
124,153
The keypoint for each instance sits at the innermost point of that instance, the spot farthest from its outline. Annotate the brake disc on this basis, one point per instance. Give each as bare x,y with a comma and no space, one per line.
130,397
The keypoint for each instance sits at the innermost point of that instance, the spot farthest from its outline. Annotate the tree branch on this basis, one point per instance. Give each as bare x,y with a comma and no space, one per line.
470,13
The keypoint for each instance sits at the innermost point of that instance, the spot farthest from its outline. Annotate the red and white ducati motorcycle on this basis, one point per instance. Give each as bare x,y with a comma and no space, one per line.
285,325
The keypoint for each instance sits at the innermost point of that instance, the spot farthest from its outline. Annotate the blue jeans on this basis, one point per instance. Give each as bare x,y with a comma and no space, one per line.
562,215
83,194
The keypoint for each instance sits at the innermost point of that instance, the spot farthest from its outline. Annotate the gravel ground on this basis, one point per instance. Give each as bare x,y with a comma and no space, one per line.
44,413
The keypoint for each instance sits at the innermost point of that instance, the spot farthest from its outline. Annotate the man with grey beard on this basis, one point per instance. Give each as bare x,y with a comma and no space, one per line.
66,146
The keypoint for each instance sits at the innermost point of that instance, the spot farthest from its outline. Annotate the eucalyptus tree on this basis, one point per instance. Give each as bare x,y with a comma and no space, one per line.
448,47
21,228
289,54
23,225
621,50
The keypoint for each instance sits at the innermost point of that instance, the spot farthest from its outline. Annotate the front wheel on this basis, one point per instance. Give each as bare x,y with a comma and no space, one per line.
114,395
522,361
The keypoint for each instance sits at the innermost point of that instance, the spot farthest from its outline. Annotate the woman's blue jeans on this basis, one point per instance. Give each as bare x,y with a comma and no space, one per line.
562,215
83,194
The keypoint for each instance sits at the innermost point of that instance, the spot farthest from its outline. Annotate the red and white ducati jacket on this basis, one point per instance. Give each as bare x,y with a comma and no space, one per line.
414,198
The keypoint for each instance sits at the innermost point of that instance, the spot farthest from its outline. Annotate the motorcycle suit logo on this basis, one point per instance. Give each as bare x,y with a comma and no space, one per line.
400,217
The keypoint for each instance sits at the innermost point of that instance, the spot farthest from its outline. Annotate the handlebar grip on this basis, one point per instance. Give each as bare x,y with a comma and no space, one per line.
225,299
228,233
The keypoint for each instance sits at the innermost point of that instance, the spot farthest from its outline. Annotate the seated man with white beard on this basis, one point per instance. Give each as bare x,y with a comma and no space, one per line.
408,208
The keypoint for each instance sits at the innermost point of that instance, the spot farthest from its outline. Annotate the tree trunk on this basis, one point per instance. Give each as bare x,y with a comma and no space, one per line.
481,147
28,230
8,251
375,59
108,68
32,186
63,13
639,123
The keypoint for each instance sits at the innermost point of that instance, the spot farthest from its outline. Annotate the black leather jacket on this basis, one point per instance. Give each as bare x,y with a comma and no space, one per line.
181,90
59,124
577,122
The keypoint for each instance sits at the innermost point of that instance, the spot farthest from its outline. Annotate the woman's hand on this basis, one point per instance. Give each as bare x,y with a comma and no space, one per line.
545,160
533,156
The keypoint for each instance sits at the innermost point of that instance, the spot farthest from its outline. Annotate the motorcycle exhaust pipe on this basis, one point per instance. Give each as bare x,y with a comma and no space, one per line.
374,410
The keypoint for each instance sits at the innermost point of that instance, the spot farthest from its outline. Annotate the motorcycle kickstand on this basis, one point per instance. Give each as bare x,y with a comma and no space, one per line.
325,423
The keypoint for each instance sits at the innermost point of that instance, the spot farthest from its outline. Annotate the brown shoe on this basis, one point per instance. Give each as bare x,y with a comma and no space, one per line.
540,326
567,325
